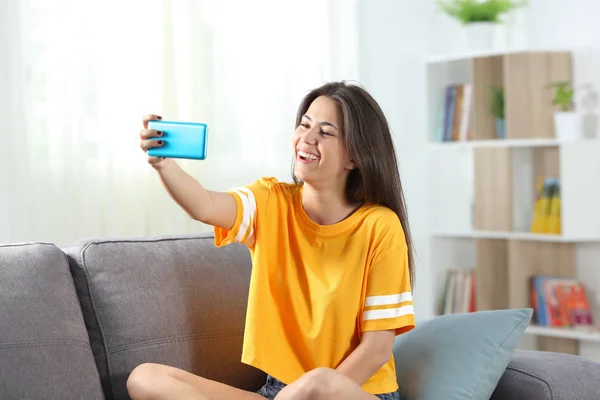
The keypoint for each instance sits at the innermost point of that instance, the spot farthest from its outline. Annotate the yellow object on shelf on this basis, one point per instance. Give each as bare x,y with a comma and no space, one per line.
546,213
537,224
554,225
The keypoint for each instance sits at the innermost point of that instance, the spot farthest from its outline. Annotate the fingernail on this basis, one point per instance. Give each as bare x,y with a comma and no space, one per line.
160,142
159,133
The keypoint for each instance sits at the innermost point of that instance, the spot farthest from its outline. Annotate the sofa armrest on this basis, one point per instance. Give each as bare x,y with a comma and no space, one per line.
533,375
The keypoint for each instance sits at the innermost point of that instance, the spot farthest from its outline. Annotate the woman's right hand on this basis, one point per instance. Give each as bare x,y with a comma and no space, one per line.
207,206
146,144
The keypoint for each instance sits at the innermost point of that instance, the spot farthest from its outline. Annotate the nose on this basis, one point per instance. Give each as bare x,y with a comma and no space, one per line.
310,136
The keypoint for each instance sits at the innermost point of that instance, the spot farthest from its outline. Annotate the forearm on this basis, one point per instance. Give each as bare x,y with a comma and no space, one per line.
364,361
186,191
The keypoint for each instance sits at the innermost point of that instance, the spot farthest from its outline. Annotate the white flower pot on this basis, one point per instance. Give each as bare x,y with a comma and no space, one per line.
480,35
568,125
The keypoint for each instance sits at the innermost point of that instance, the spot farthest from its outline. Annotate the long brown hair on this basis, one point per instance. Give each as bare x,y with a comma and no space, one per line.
367,136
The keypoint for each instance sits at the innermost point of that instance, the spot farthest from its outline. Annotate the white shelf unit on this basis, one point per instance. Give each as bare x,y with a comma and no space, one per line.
565,333
483,189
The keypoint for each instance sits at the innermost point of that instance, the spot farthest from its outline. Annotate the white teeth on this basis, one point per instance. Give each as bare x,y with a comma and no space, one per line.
307,155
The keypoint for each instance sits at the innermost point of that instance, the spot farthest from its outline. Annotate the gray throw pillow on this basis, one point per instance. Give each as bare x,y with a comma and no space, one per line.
458,356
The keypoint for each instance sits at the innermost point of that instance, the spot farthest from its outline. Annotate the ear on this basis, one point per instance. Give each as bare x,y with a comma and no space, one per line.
350,165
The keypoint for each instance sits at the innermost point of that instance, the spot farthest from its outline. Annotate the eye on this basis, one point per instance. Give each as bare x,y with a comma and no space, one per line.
326,133
305,125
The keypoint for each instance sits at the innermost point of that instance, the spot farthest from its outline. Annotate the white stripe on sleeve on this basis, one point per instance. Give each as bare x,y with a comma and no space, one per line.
249,210
387,300
252,211
388,313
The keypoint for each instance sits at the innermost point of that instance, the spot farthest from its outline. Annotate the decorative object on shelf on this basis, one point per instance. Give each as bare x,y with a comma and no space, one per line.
567,122
455,115
560,302
479,17
497,110
459,292
546,213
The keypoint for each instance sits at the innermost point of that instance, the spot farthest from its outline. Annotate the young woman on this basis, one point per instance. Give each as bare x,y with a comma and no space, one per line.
332,259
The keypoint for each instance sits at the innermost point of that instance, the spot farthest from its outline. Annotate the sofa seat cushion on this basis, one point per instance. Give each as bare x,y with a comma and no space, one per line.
549,376
174,300
44,347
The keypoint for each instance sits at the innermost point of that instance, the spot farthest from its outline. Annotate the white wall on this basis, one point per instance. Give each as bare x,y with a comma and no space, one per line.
7,28
393,46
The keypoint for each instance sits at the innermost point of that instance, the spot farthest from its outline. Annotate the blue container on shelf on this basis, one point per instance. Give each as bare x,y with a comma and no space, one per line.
500,130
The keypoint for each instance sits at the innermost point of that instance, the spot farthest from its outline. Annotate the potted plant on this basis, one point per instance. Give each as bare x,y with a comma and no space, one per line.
480,17
497,110
567,122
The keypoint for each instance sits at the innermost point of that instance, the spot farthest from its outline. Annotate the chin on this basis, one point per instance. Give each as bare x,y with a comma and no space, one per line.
301,175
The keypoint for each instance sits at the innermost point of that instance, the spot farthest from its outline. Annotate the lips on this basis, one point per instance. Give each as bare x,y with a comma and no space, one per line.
305,156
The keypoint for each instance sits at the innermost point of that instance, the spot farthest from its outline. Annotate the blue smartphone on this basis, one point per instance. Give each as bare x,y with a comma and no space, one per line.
180,139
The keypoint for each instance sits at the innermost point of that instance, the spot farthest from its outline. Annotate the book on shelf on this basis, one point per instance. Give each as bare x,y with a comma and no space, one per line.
560,302
459,292
454,122
546,211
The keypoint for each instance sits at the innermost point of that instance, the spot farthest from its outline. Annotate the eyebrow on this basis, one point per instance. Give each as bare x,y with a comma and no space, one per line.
324,123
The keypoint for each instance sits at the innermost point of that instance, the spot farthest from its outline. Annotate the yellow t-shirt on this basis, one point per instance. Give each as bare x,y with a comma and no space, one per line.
315,288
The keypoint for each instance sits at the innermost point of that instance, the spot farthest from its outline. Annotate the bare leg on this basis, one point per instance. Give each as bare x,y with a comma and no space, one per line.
162,382
324,384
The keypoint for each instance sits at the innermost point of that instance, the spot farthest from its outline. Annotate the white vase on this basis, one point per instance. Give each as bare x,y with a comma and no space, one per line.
480,35
568,125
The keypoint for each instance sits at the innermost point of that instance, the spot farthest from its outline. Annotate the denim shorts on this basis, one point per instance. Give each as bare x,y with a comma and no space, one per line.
273,386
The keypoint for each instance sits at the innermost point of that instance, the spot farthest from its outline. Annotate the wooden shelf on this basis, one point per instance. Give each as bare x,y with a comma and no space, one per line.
490,192
535,237
524,76
447,58
565,333
509,143
562,333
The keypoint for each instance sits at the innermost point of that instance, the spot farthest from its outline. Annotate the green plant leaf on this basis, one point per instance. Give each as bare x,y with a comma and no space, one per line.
563,94
468,11
497,102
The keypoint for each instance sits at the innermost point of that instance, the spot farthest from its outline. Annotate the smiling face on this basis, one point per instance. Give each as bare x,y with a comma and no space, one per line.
320,153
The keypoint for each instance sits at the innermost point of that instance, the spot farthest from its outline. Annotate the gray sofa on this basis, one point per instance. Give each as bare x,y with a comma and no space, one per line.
75,321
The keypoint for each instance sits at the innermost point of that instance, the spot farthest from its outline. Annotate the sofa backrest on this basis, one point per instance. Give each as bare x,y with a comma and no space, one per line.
175,300
44,346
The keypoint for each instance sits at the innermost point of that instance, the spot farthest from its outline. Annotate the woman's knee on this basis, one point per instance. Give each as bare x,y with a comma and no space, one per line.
319,383
142,380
